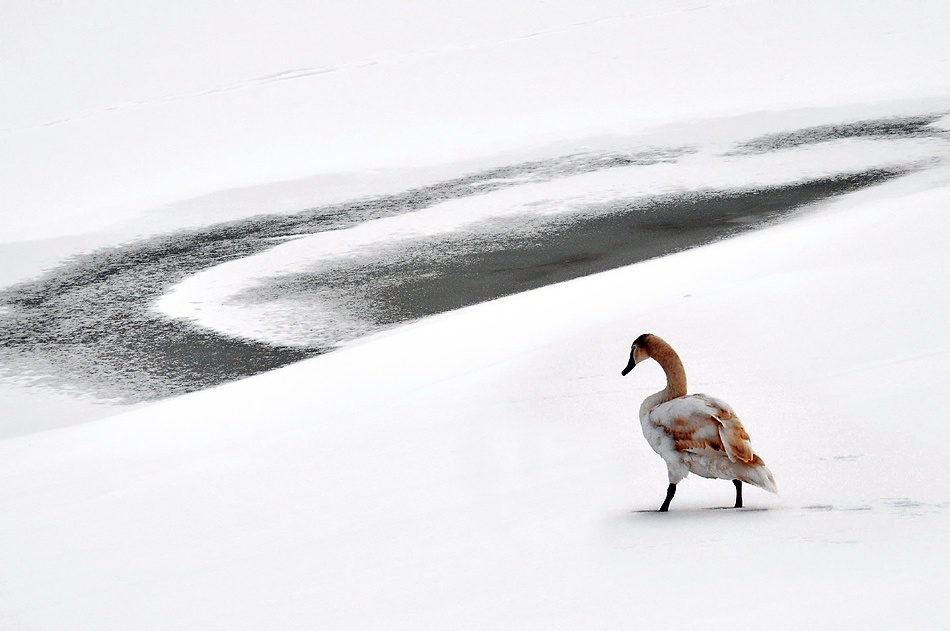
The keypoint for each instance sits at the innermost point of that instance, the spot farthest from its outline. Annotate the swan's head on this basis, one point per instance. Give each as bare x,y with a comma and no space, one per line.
638,352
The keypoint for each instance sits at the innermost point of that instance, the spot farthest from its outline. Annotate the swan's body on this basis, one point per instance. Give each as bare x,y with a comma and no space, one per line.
702,435
694,433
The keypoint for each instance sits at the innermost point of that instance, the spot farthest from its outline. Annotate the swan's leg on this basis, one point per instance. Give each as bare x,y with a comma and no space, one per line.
670,491
738,484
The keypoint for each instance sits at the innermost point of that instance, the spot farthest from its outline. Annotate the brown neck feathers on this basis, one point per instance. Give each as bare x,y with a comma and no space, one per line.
664,354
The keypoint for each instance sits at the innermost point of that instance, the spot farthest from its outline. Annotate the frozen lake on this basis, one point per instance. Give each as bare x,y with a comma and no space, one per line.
476,207
344,270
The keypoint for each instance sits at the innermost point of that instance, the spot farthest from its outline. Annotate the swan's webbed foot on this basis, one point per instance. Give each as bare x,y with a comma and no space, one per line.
670,492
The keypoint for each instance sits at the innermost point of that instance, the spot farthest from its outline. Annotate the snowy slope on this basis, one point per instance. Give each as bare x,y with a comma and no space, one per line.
484,468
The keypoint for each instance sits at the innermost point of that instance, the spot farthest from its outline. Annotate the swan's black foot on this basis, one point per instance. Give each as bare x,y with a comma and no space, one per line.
738,493
670,492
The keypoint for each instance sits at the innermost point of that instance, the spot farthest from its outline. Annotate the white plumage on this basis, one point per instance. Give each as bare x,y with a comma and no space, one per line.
694,433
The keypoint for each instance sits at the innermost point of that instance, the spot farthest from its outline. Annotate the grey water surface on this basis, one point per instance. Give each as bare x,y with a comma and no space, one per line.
88,324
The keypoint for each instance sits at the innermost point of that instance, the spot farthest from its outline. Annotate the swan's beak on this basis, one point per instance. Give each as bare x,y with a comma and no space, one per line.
630,365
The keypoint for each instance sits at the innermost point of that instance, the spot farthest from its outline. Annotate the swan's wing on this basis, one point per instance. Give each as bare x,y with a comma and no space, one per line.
700,422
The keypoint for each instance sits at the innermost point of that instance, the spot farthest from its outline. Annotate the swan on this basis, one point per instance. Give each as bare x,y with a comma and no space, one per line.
694,433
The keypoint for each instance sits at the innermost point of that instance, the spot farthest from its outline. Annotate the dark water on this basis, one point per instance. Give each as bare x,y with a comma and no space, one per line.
506,257
89,324
883,128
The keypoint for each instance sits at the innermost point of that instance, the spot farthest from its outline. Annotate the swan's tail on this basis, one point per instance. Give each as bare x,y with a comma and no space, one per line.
757,474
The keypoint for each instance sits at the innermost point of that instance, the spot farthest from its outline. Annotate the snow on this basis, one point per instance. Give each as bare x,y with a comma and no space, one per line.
484,468
168,101
211,297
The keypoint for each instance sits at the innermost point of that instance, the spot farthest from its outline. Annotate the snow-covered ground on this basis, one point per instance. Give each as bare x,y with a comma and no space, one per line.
484,468
111,111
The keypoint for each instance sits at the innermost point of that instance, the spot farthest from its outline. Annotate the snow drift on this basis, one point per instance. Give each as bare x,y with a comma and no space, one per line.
484,468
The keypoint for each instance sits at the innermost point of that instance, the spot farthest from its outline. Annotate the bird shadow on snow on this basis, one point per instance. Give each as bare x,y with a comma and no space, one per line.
709,510
626,521
902,506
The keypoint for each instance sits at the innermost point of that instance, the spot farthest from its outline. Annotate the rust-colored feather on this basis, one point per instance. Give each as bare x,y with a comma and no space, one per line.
709,424
736,440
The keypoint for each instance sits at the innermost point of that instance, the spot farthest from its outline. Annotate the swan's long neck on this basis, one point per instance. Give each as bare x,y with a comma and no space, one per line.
664,354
